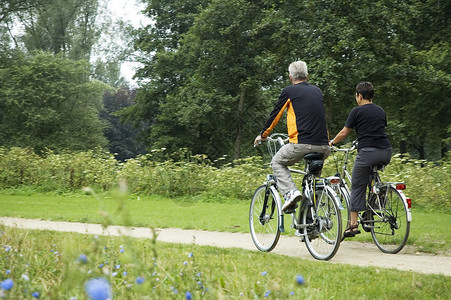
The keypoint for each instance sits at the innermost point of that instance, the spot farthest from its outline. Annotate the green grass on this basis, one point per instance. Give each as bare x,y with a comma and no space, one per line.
46,262
429,230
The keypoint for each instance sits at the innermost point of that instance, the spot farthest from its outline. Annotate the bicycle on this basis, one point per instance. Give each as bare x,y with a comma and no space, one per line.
387,215
317,219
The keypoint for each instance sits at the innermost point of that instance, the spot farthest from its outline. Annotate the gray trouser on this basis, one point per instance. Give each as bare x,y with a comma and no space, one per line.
288,155
366,158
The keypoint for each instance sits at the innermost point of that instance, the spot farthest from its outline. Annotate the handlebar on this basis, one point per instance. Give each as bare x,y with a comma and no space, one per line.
275,141
353,147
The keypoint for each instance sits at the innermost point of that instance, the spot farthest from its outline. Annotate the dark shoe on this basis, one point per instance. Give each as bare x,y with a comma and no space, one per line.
351,231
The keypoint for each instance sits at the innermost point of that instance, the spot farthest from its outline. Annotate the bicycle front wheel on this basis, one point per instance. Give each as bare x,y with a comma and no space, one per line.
264,219
323,237
390,220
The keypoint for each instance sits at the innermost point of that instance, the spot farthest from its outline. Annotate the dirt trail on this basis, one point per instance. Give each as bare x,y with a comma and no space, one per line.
352,253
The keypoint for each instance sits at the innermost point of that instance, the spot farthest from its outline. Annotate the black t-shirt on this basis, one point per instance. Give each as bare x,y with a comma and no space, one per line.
369,121
306,120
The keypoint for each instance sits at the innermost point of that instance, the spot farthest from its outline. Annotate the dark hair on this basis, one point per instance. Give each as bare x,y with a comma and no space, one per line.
365,89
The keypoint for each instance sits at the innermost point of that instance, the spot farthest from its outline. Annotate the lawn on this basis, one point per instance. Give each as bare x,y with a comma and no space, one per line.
54,265
429,230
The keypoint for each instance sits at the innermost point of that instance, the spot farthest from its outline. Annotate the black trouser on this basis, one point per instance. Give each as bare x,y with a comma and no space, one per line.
366,158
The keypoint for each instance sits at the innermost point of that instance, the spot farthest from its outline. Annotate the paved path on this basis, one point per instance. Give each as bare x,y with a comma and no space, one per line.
353,253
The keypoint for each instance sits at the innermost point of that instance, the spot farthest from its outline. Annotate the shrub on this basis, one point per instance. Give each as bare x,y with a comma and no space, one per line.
183,174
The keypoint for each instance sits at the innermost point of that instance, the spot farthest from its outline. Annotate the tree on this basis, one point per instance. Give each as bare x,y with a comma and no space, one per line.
49,102
214,70
64,26
123,139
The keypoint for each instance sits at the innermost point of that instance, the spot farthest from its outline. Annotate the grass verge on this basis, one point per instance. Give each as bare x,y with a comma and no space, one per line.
429,230
58,265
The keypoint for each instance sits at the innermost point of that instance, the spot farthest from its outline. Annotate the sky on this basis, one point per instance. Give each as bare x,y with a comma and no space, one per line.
129,11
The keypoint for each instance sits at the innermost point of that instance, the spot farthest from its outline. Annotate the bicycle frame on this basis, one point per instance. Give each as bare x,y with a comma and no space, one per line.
375,188
317,221
307,190
387,215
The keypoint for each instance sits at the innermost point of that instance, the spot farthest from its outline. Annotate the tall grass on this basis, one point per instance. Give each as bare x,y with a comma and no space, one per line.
159,173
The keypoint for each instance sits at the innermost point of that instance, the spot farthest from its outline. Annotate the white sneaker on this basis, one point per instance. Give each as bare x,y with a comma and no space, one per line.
291,198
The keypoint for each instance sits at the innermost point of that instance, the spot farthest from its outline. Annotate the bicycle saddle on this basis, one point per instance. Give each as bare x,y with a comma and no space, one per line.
314,156
379,167
315,162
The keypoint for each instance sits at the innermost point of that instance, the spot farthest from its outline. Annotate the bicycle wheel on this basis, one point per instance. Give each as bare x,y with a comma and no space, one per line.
264,219
390,225
323,237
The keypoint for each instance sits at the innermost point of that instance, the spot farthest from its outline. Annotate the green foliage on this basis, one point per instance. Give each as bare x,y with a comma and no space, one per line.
49,102
194,176
213,70
64,171
62,27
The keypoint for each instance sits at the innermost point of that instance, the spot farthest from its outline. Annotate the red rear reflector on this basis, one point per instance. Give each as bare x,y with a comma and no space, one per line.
409,203
335,180
401,186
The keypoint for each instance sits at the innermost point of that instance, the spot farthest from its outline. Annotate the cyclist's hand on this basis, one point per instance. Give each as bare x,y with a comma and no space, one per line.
258,140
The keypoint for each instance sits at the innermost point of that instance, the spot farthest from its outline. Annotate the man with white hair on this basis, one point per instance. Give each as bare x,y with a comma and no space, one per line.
307,131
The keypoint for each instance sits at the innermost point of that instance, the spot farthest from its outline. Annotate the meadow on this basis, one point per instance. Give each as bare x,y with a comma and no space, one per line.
53,265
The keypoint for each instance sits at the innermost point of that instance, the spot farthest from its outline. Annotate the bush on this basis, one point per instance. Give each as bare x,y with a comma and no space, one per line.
183,174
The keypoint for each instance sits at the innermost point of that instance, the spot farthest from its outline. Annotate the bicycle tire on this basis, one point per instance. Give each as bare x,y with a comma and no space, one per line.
265,231
323,239
390,224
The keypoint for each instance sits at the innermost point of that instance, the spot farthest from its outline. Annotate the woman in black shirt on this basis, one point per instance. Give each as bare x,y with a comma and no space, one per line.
369,121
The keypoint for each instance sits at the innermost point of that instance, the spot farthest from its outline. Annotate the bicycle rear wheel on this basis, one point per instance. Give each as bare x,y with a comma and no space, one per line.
264,219
323,237
390,225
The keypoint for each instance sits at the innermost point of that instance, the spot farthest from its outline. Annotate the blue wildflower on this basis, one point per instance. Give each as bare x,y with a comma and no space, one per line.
98,289
188,296
35,295
140,280
267,293
264,273
125,273
7,284
190,254
118,266
300,279
82,258
7,272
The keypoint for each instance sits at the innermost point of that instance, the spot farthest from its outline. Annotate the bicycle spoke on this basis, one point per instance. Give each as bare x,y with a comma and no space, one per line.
324,236
390,227
263,220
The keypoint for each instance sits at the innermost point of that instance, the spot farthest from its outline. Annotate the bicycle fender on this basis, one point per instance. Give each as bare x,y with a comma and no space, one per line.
335,197
279,208
404,200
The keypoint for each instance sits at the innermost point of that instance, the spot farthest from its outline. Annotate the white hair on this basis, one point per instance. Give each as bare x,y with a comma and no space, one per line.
298,70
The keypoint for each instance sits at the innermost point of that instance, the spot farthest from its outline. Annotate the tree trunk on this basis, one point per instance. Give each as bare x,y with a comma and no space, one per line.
239,123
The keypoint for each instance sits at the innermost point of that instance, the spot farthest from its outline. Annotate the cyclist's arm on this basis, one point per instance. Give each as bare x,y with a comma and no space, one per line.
276,114
341,135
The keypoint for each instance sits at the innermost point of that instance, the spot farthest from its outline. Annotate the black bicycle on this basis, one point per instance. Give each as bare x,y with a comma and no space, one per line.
387,215
317,219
